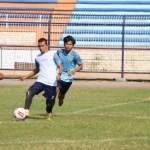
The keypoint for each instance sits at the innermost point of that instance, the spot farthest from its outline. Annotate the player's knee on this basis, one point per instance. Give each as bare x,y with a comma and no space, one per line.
28,93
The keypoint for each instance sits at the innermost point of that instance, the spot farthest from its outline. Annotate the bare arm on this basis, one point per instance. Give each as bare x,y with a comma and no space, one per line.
32,73
80,67
59,66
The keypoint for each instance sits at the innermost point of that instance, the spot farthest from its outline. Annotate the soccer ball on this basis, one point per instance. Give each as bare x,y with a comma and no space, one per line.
19,113
1,76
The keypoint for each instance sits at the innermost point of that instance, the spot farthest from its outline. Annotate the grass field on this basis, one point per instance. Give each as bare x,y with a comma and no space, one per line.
90,119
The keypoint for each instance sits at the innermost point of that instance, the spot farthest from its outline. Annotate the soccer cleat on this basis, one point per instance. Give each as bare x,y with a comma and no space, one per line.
60,103
47,116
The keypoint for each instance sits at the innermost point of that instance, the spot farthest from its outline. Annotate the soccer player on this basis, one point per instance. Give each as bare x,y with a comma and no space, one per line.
70,59
46,63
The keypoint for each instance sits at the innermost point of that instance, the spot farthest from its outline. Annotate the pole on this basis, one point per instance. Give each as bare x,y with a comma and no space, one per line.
49,31
123,28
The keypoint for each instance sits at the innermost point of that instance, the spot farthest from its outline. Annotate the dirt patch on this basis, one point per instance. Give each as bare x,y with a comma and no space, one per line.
111,84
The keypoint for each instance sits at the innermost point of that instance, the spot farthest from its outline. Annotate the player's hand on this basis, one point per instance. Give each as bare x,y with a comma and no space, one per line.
71,72
22,78
58,77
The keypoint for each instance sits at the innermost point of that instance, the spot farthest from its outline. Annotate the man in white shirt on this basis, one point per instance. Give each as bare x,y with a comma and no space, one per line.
47,63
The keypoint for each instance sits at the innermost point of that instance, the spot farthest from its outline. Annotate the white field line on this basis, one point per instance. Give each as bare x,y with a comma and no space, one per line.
78,141
125,116
108,106
108,115
86,110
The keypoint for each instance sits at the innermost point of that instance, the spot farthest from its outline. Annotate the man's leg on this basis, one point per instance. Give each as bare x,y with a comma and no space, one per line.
50,95
29,96
49,106
61,99
63,88
57,90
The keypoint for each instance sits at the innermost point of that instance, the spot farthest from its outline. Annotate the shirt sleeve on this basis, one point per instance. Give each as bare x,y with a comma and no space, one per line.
78,59
57,59
36,64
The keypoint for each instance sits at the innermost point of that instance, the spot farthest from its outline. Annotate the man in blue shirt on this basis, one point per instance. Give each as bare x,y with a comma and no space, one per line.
47,63
69,59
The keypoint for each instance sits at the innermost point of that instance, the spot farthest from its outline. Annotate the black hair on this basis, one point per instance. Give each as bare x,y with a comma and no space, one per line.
42,40
69,38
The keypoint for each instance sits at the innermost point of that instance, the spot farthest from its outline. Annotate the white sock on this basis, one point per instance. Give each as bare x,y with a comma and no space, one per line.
26,110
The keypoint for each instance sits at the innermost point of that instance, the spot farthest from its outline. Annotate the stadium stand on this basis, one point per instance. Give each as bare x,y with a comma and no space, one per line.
87,12
29,1
96,12
26,8
37,5
96,25
111,6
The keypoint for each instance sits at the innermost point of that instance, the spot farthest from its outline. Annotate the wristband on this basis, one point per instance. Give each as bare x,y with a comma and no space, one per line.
59,74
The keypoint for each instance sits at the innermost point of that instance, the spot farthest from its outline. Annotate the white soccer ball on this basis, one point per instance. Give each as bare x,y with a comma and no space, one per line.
19,113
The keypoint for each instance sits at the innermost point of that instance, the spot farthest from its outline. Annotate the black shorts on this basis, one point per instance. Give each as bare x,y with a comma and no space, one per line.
50,91
63,86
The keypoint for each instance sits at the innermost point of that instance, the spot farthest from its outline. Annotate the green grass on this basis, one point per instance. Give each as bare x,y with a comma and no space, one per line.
90,119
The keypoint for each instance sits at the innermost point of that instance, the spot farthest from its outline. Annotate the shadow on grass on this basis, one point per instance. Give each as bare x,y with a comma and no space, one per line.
38,116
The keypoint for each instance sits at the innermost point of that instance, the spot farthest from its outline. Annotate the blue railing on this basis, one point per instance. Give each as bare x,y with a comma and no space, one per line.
97,35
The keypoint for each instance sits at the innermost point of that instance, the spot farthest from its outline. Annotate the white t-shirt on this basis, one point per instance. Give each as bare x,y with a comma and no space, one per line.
47,67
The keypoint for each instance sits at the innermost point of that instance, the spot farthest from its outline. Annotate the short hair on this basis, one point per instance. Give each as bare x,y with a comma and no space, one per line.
42,40
69,38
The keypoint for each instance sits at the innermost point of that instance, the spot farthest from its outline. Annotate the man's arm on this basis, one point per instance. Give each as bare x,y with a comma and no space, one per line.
58,62
32,73
59,66
79,62
78,68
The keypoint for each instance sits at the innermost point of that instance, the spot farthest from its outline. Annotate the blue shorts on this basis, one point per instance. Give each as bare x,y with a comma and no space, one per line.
63,86
50,91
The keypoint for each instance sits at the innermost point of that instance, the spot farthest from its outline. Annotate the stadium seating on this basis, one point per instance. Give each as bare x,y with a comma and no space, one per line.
97,23
113,6
29,1
101,13
26,8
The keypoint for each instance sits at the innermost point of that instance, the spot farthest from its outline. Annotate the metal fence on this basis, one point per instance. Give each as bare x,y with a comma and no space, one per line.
106,43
